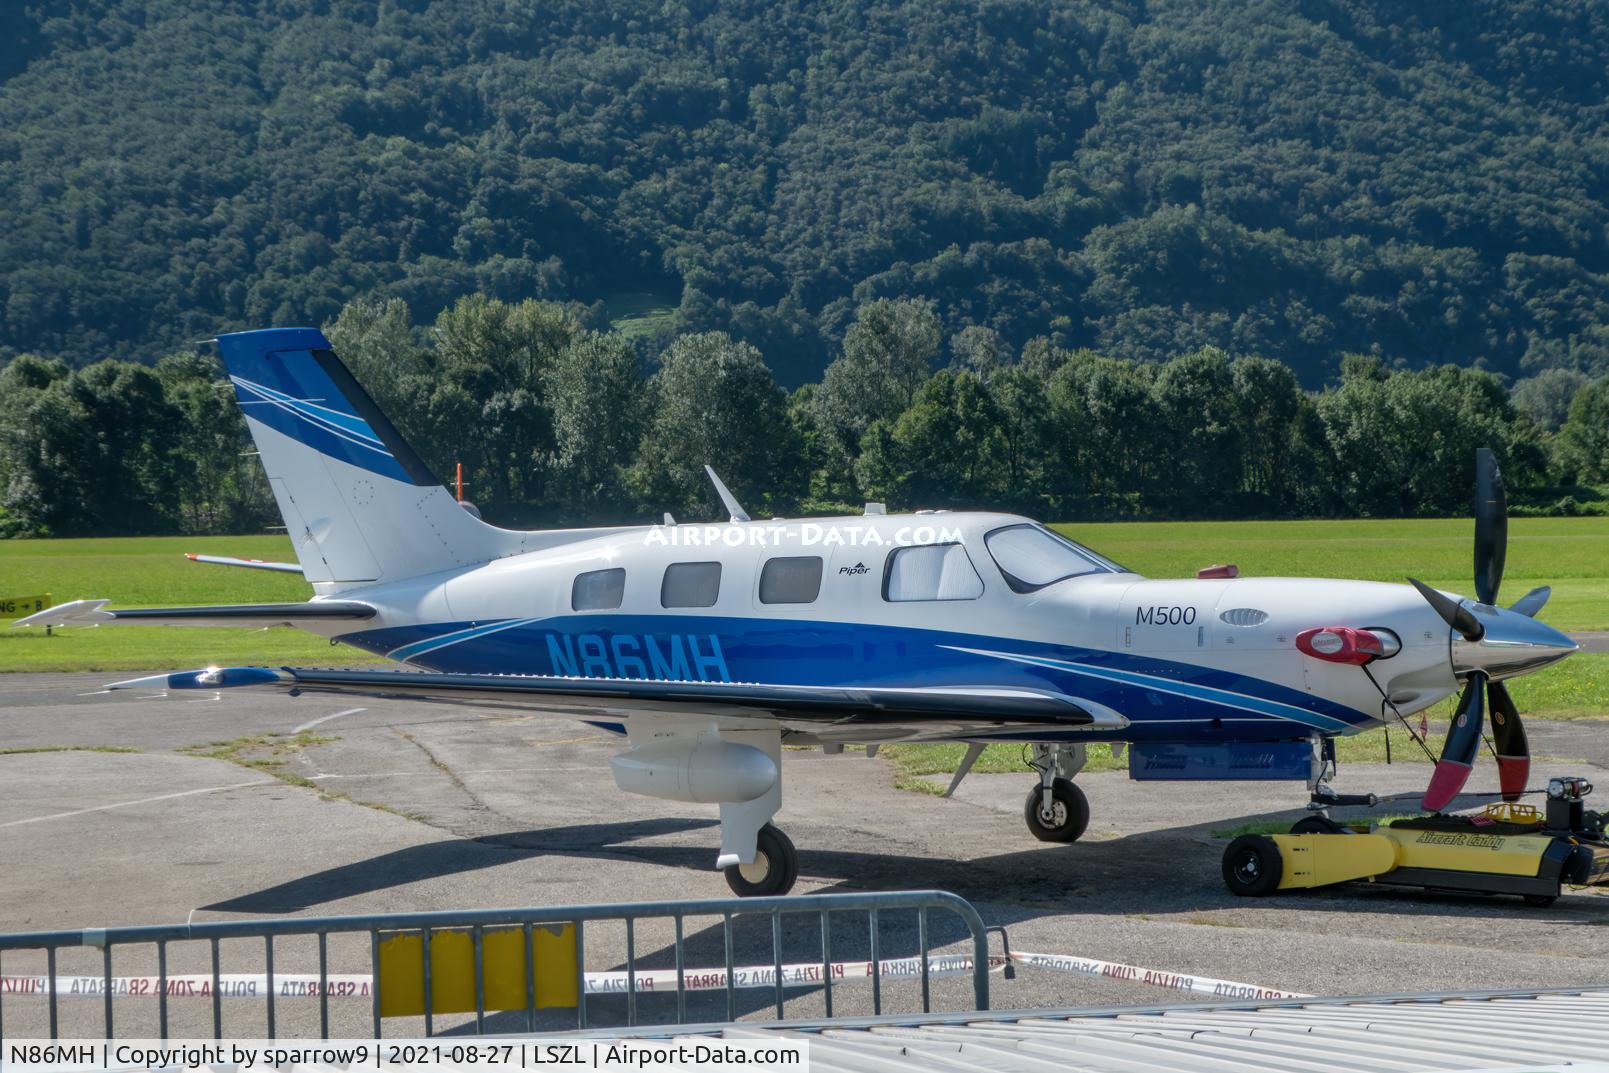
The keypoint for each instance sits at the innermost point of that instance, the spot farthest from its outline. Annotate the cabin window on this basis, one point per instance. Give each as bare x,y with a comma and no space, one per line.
1031,557
931,572
690,585
791,579
598,590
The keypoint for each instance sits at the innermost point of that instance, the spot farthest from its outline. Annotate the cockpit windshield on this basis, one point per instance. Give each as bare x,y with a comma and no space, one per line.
1032,557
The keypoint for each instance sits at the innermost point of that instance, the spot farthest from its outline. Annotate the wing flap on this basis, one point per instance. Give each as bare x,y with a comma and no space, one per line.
94,613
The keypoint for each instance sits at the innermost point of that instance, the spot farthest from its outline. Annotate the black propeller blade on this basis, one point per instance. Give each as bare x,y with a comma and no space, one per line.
1451,611
1463,742
1491,526
1508,741
1532,602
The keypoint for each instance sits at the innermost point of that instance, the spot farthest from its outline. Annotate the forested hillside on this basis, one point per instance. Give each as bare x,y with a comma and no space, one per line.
1296,180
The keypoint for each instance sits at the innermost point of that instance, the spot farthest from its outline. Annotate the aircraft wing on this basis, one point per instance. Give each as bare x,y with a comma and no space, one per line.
872,713
94,613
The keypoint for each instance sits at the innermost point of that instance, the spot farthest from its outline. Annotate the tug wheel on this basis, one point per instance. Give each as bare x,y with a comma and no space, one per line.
1317,825
1253,866
1066,818
775,867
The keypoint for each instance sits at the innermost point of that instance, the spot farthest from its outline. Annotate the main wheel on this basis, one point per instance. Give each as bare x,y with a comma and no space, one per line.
1317,825
1253,866
1067,817
775,867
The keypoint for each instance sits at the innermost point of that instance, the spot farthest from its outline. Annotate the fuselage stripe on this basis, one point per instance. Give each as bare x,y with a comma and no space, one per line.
431,644
1225,697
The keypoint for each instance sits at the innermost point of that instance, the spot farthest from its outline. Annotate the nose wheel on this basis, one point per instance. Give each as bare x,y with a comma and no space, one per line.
1056,813
773,871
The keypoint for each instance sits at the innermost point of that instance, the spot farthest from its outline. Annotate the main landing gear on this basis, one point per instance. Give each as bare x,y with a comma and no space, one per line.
734,763
1056,809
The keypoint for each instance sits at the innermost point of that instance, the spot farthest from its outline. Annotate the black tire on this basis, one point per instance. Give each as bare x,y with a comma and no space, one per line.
1070,812
1317,825
1253,866
1541,901
775,867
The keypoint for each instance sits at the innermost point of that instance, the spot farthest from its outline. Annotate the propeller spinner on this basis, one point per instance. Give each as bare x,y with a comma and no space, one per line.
1490,643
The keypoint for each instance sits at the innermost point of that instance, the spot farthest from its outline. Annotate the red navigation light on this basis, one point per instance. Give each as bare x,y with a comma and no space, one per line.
1340,644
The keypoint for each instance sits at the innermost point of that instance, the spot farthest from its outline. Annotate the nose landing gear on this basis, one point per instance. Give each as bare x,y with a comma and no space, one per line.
1056,809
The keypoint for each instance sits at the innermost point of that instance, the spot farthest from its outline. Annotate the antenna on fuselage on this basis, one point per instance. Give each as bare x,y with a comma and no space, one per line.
669,520
733,508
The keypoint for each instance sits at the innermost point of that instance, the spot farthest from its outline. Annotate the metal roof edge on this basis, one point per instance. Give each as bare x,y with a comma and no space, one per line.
1061,1013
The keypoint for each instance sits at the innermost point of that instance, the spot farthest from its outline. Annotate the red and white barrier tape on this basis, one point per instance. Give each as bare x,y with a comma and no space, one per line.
647,981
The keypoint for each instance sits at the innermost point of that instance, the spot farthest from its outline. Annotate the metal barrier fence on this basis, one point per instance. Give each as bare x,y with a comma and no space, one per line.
478,921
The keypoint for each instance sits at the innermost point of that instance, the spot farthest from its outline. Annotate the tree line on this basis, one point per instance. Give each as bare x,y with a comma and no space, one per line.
556,423
1298,179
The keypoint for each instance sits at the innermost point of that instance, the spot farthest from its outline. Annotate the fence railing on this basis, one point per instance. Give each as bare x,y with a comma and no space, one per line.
413,988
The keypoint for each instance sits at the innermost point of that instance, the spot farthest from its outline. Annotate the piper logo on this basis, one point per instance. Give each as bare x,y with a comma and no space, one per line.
852,571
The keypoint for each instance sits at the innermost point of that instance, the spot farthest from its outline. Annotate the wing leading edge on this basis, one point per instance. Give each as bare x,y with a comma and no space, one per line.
852,714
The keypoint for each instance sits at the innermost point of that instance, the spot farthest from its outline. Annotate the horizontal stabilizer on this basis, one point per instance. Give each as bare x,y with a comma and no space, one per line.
249,564
938,712
94,613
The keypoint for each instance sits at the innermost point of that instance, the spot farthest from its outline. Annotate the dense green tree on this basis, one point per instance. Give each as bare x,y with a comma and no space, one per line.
222,488
1404,444
1583,444
1545,398
714,403
596,396
1194,399
887,354
94,452
945,450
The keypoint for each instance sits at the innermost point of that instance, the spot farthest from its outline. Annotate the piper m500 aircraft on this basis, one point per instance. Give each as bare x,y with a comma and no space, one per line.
709,647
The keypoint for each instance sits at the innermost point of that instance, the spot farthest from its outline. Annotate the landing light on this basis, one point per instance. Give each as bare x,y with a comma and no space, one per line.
1340,644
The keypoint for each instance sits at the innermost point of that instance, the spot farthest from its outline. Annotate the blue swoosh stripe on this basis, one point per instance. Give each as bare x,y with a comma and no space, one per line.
356,438
350,422
1182,689
430,644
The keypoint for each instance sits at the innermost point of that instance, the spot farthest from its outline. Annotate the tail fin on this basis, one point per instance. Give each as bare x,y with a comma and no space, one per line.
359,504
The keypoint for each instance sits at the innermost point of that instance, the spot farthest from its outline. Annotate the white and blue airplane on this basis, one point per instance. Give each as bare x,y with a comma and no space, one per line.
709,647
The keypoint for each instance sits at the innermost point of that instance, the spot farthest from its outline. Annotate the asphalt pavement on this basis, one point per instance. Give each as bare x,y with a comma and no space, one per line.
409,806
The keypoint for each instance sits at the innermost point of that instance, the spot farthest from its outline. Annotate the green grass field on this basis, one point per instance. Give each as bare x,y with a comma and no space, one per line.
1571,554
144,571
641,313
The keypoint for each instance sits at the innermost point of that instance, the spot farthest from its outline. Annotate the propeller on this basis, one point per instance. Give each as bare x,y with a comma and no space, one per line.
1464,735
1458,752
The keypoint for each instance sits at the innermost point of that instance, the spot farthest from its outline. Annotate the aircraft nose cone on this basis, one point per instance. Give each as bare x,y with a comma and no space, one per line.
1514,644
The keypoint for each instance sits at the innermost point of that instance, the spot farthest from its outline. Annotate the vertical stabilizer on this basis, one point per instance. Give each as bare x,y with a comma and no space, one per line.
359,504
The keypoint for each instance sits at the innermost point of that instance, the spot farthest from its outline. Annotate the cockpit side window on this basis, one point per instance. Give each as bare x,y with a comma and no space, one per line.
930,572
1031,557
